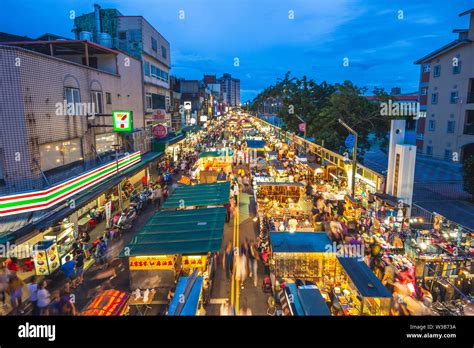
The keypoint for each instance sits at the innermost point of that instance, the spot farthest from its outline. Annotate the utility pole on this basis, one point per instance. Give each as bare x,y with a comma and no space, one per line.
354,155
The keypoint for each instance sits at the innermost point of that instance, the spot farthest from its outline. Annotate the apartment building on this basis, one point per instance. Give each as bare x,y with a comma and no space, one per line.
445,128
230,90
42,141
137,37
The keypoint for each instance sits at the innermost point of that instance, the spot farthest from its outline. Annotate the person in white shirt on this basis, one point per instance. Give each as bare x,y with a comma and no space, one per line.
43,298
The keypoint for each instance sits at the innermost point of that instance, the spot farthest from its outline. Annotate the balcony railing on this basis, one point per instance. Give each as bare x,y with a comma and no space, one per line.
469,129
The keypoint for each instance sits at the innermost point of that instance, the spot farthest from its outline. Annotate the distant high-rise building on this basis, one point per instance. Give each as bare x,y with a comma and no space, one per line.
230,90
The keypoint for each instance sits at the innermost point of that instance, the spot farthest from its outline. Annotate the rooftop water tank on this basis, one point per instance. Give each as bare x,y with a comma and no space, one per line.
85,35
104,39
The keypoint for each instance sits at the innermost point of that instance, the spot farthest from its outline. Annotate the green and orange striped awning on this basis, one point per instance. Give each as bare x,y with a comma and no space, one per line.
44,199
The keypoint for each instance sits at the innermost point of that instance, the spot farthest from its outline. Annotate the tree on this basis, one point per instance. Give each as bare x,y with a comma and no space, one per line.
468,174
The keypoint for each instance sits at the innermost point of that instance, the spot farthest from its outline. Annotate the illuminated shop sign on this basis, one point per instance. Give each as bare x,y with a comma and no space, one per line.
123,120
141,263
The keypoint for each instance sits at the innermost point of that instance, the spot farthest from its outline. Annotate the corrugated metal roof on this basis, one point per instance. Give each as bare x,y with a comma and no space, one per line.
196,231
199,195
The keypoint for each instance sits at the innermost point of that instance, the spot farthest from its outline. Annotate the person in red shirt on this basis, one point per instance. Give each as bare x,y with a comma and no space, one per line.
11,264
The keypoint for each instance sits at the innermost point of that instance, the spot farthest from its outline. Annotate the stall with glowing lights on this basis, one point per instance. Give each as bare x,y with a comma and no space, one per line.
211,163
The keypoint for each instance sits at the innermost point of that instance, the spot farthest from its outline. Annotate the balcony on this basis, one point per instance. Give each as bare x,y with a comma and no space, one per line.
469,129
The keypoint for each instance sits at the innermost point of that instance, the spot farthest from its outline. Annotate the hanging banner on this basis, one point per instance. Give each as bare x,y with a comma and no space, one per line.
141,263
108,213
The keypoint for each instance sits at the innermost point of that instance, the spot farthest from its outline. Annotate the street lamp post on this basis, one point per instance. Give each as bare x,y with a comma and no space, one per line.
116,147
354,155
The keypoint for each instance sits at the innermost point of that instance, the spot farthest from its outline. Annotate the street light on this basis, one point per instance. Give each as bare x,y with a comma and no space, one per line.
354,154
116,147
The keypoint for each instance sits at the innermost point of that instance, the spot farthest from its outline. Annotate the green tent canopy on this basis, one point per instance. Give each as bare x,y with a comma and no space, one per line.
195,231
198,195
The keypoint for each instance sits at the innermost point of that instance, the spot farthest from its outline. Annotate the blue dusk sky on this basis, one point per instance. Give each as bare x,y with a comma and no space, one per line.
270,37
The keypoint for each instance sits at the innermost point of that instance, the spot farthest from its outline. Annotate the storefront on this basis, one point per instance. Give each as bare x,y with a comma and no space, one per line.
211,163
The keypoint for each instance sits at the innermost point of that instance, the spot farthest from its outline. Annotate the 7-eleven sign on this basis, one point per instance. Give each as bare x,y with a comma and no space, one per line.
123,120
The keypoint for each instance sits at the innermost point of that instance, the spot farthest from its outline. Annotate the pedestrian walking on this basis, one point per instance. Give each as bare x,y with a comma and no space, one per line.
15,289
43,298
254,258
3,285
228,261
241,269
79,259
33,296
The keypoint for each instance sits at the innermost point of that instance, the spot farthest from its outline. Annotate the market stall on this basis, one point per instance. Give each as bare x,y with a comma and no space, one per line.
211,163
173,243
304,255
359,291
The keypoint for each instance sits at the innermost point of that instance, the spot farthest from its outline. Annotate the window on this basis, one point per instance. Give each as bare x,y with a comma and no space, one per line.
108,98
148,102
154,45
122,35
424,91
104,142
457,67
454,97
420,136
158,101
429,150
451,125
431,125
437,71
146,68
447,154
72,96
155,72
434,98
426,68
97,102
163,51
60,153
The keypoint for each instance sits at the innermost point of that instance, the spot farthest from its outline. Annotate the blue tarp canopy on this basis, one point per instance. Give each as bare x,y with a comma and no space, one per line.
307,300
255,144
299,242
363,278
191,302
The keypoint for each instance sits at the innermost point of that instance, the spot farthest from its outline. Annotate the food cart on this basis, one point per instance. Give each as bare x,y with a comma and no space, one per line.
358,291
108,303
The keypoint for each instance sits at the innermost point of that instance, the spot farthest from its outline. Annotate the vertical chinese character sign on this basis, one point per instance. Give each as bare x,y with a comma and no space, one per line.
122,120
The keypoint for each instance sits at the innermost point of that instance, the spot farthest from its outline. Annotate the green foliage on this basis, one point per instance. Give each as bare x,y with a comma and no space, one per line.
320,105
468,174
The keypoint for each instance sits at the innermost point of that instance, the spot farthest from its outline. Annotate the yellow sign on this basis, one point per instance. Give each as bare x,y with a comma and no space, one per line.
140,263
194,261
